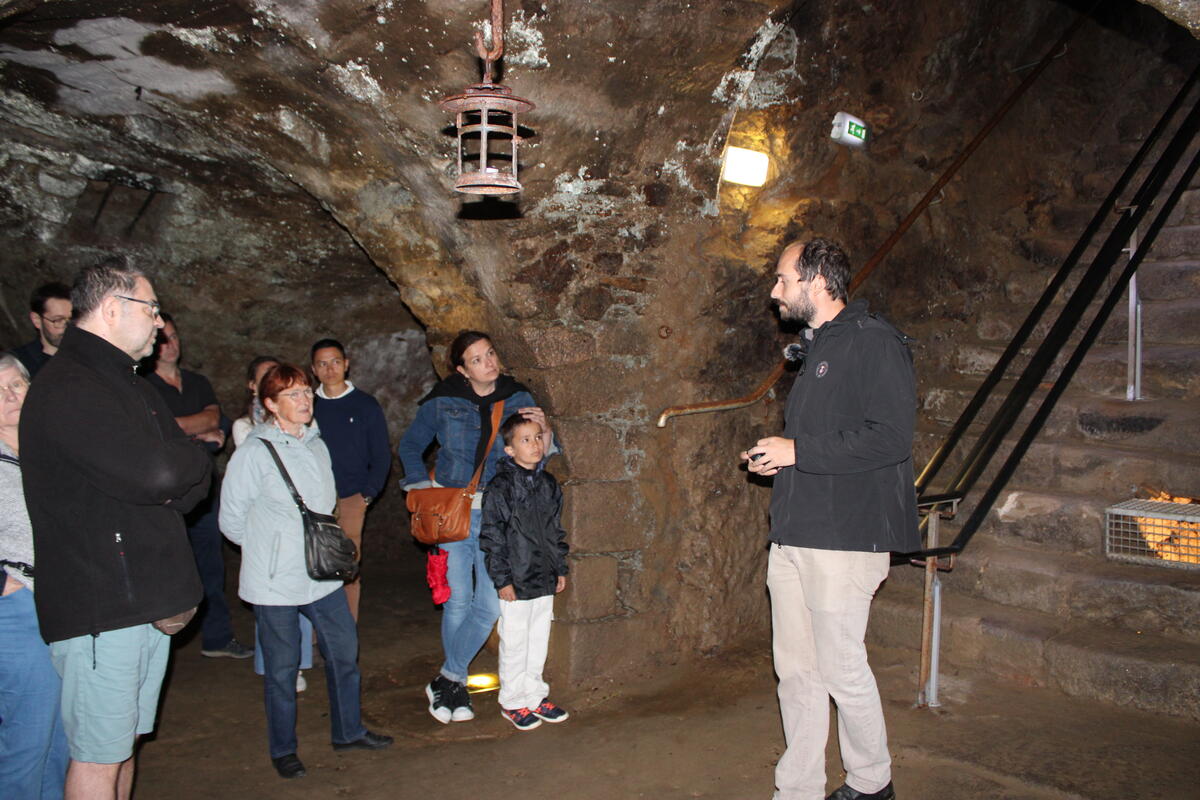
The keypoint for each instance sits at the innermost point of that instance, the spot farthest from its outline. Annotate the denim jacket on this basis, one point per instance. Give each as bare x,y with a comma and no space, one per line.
454,423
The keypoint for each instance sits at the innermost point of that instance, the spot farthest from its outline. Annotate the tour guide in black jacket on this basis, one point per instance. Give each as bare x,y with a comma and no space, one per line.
850,413
843,500
108,475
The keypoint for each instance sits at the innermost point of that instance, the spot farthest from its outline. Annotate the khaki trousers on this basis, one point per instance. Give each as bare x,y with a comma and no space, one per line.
351,511
820,600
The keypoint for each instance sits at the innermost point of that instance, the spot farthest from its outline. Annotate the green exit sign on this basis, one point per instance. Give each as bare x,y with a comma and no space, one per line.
856,130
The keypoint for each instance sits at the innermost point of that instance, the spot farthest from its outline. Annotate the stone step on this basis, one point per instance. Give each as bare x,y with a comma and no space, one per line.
1082,658
1167,279
1070,522
1168,370
1163,322
1141,599
1187,210
1143,429
1109,473
1177,241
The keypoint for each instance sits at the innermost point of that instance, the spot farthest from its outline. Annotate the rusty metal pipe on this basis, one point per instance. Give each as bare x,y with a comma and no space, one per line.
725,405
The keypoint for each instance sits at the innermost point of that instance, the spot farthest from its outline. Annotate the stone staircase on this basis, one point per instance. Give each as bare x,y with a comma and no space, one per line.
1034,598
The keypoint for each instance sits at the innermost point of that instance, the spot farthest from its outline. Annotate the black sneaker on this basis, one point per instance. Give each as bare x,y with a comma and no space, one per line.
844,792
441,694
289,766
461,702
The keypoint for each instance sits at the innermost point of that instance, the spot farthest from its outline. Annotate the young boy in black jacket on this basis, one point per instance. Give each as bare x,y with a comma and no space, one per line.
523,544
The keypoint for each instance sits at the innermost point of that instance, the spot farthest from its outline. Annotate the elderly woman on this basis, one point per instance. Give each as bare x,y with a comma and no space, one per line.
457,414
255,413
33,746
258,513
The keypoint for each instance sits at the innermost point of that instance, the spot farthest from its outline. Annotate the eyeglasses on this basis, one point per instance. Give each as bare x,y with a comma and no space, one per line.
296,394
155,307
55,322
16,388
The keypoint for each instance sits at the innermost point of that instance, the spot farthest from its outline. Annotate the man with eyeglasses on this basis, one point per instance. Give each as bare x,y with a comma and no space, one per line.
355,431
50,313
108,475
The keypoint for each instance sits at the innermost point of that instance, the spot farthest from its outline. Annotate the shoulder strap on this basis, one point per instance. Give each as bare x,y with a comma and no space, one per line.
9,459
497,413
283,471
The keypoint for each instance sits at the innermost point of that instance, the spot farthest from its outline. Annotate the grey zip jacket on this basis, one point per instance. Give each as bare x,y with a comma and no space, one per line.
258,513
851,412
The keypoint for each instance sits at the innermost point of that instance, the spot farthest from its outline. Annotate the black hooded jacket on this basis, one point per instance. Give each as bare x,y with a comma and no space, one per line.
851,413
108,475
522,537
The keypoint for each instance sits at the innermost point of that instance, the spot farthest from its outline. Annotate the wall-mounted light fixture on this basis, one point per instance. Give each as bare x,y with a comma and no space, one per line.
849,130
747,167
486,121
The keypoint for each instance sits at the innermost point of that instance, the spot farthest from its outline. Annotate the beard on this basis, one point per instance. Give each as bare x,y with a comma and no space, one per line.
801,311
53,338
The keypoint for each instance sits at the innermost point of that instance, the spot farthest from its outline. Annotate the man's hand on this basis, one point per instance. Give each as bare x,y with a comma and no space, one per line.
774,453
215,436
562,584
508,594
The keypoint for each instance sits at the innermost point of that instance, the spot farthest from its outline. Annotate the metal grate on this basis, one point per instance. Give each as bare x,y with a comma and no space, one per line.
1153,532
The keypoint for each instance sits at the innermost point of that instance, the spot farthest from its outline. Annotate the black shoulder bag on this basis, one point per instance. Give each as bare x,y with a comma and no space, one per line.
328,553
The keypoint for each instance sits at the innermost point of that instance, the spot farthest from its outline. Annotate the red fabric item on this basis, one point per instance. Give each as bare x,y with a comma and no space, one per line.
435,575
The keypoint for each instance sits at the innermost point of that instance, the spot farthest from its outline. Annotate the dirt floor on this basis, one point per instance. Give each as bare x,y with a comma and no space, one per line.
711,731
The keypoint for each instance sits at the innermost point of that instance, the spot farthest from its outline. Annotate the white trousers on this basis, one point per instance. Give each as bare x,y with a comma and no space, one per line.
524,628
820,600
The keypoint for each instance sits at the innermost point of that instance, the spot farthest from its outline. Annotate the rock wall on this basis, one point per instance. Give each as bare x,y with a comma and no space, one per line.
300,149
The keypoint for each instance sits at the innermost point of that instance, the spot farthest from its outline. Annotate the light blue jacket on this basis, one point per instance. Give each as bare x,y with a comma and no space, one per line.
258,513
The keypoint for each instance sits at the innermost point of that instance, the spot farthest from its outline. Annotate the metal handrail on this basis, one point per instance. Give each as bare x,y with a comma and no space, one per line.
874,261
1068,321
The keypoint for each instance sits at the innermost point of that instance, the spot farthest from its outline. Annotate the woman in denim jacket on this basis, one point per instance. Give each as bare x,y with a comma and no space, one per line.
457,413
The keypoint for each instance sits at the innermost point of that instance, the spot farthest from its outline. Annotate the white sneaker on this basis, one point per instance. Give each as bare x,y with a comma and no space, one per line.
440,691
462,704
301,684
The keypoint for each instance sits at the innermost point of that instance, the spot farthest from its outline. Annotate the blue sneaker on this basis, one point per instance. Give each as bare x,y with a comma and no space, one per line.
549,712
522,718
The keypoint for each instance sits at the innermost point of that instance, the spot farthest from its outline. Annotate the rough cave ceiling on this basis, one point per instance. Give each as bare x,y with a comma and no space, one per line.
285,168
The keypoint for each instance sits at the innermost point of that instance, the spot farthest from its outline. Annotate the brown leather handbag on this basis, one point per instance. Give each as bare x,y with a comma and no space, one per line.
443,514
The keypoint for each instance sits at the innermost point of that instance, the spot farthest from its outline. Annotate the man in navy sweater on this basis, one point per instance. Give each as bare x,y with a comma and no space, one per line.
355,431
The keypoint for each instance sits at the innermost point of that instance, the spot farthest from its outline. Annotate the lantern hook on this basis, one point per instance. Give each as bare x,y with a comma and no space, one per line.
492,54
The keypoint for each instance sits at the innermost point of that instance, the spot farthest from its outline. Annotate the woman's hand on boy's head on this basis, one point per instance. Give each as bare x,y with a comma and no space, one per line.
562,584
508,594
536,414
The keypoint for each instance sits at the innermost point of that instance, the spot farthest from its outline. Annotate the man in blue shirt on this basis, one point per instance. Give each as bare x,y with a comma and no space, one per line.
355,431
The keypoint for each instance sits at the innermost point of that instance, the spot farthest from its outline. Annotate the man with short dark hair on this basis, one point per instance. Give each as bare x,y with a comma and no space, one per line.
842,502
191,399
355,431
108,476
50,313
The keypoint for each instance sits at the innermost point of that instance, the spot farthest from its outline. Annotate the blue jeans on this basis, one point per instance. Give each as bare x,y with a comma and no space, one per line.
473,607
33,745
216,626
306,639
337,636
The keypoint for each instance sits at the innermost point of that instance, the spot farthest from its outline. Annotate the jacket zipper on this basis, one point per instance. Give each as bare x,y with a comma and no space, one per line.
124,566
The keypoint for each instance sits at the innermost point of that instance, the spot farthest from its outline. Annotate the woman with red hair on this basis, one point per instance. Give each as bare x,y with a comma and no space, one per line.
258,513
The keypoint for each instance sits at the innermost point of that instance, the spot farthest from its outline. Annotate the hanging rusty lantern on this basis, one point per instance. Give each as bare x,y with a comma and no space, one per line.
487,123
